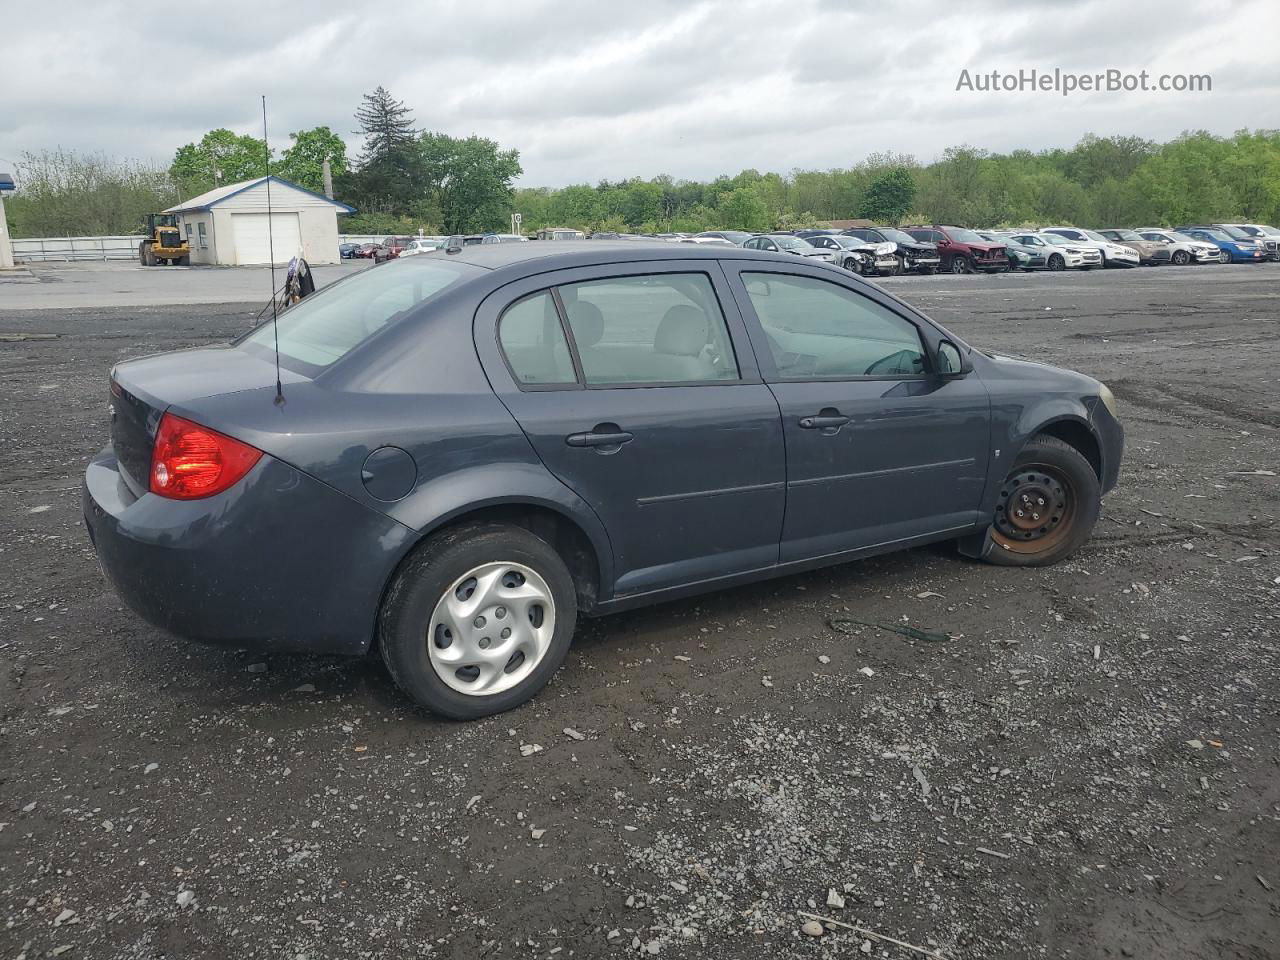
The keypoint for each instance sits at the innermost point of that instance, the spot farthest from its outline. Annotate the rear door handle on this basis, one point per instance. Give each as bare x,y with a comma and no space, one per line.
823,421
594,439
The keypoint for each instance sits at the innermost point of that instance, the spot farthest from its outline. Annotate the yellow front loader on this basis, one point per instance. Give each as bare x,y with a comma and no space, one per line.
164,242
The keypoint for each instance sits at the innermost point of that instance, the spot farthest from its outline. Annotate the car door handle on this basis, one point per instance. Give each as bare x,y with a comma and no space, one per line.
593,439
823,422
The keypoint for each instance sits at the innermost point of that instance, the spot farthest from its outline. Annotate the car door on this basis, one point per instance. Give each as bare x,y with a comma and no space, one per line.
637,387
881,448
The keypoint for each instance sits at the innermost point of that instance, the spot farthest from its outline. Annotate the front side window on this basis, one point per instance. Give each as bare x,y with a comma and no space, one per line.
533,342
816,330
659,328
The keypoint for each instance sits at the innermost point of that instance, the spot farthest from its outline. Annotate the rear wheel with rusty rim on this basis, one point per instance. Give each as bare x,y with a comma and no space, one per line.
1047,505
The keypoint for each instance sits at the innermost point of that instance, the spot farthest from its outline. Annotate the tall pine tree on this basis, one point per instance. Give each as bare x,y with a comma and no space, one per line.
386,126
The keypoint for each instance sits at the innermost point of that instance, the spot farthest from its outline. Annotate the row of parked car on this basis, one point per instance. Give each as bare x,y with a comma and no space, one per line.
929,248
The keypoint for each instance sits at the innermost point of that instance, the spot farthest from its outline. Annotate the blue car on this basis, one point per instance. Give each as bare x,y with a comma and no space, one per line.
1236,245
453,457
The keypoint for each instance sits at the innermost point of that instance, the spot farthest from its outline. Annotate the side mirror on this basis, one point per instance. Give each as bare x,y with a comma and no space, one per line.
950,362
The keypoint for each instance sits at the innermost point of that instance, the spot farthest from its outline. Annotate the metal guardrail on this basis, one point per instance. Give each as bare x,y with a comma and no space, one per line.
75,248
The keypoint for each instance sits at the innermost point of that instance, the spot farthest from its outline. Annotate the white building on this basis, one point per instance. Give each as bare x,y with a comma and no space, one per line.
228,225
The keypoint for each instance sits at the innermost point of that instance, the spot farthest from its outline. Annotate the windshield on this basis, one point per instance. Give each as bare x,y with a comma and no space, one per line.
793,243
1181,237
1094,235
1059,239
1130,235
897,236
733,236
965,236
1216,235
1235,233
330,323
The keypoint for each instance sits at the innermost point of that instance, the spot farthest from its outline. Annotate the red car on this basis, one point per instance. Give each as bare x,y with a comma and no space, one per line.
367,251
391,248
961,250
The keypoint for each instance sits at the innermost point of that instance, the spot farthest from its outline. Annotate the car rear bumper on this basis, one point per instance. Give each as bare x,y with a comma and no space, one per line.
279,561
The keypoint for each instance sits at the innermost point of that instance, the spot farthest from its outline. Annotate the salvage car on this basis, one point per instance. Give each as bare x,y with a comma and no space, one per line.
447,458
1234,246
1021,256
787,243
1182,248
1113,254
961,250
913,253
1268,236
1149,253
858,255
1059,252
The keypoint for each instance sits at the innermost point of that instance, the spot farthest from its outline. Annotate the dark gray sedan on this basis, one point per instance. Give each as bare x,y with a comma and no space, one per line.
466,451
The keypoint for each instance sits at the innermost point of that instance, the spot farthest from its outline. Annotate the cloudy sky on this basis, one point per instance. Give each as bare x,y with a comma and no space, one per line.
608,89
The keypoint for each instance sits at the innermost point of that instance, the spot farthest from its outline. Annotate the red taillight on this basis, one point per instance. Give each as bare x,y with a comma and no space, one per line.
190,461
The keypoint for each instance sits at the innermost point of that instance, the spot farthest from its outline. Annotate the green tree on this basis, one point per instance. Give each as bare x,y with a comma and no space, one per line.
742,209
389,171
64,193
468,180
303,161
220,157
888,196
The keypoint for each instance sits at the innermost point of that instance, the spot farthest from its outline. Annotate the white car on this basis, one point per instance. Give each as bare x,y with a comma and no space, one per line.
1113,254
1182,249
1059,252
1269,237
423,245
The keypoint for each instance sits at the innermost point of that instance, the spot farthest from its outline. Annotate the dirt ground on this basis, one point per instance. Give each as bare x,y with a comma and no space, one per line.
1090,769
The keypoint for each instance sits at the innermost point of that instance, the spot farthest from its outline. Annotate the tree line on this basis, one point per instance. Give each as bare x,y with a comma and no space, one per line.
405,179
1099,182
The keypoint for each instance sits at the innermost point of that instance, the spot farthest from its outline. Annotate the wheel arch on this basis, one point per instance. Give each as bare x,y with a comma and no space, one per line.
1077,433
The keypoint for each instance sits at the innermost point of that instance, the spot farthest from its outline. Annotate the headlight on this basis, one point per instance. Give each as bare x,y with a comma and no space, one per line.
1108,399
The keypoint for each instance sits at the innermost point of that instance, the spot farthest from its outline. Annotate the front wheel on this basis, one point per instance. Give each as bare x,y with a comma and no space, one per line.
1224,257
1180,258
929,270
1057,262
1047,506
960,265
478,620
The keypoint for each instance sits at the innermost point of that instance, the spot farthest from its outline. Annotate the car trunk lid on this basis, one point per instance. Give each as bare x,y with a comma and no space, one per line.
141,391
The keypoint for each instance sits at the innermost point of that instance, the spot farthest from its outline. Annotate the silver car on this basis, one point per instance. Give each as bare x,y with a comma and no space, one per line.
1182,249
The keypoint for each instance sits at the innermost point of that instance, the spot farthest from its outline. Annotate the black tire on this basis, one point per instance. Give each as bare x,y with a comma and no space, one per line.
1059,489
851,264
184,261
960,264
1180,258
929,270
421,583
1057,262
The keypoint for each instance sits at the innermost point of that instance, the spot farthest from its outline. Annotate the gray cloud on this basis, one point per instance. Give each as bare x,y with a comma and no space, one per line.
591,90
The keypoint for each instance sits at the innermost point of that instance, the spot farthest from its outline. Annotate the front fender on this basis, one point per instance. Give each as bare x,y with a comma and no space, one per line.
1013,425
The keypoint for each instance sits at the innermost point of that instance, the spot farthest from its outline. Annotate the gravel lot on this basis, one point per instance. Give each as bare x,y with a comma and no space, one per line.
1090,768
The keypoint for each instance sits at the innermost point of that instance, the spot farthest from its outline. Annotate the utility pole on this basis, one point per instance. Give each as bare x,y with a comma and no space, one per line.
6,247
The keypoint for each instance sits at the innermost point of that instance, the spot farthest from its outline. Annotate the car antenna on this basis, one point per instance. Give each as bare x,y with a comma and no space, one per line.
271,254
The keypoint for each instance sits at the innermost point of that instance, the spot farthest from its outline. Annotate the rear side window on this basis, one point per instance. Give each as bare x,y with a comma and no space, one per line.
533,342
330,323
658,328
818,330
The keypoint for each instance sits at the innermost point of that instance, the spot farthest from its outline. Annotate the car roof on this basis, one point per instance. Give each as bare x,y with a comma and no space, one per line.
557,254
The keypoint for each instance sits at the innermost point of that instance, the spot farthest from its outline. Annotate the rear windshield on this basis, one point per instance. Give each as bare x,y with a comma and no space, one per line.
331,322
